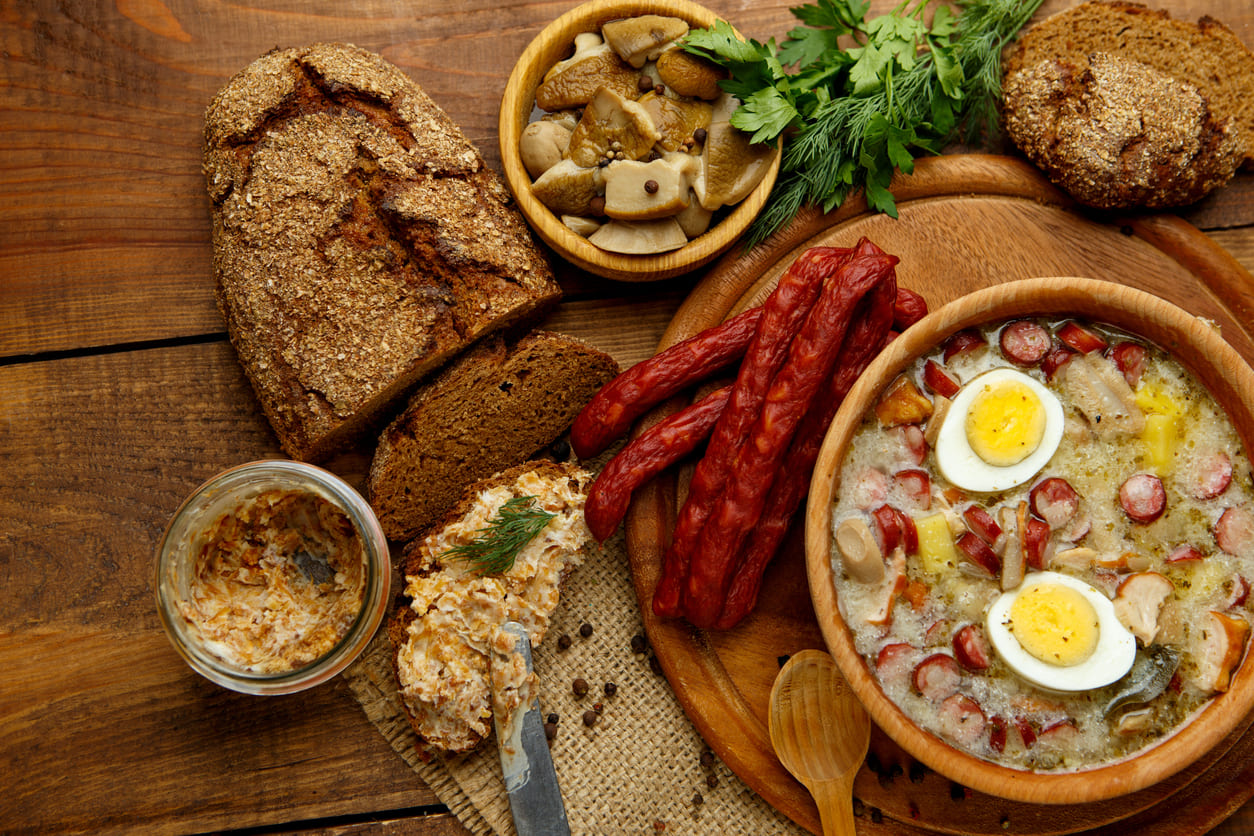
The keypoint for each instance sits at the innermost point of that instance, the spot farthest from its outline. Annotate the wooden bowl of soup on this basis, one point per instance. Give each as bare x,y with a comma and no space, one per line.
617,146
1030,540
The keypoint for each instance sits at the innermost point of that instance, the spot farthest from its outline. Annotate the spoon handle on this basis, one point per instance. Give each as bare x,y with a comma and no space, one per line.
835,802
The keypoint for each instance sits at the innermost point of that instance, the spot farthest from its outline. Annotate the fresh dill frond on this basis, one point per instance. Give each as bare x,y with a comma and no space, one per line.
498,543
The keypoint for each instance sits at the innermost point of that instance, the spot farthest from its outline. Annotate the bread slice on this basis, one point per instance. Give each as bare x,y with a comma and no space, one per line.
359,239
444,637
1206,54
493,407
1118,134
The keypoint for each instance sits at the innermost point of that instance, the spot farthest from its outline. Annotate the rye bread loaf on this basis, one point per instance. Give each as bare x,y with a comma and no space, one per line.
1206,54
493,407
359,239
443,636
1118,134
1125,107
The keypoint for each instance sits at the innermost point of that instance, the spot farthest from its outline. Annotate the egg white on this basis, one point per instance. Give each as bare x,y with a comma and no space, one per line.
1111,659
961,465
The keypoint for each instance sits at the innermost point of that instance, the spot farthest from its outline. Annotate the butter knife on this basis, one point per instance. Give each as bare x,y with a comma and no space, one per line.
530,779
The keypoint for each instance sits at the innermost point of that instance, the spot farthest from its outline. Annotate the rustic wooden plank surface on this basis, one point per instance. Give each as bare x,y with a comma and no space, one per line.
119,393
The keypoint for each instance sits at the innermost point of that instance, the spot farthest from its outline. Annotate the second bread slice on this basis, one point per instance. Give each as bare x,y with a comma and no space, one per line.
492,408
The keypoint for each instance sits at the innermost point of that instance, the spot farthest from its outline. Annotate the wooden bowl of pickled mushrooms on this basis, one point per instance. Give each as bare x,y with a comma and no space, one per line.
617,146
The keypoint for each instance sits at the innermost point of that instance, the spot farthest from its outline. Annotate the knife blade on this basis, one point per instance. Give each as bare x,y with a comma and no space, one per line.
535,800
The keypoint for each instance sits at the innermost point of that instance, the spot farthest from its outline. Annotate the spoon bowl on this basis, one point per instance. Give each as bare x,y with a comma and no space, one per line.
820,733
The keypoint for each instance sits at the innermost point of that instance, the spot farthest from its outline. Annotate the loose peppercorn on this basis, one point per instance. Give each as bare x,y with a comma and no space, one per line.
553,718
655,665
638,644
597,205
550,731
707,758
563,642
645,84
651,186
585,629
877,815
700,135
957,791
590,718
579,686
917,772
711,780
698,799
610,689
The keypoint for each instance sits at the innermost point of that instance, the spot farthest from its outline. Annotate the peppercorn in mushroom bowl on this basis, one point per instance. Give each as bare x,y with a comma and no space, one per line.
616,142
1030,539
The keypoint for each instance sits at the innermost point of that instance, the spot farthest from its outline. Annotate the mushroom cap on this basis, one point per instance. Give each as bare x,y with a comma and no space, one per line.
644,37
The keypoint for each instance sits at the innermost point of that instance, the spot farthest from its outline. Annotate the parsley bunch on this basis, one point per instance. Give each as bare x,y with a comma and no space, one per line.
854,115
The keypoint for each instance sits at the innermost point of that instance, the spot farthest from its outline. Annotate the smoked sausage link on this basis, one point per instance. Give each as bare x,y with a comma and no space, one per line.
865,339
1143,497
654,450
783,313
612,410
811,356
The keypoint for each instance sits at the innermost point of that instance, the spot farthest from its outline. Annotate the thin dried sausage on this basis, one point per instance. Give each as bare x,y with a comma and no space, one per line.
620,402
783,313
811,357
908,309
1142,497
1054,500
937,677
866,338
654,450
1025,342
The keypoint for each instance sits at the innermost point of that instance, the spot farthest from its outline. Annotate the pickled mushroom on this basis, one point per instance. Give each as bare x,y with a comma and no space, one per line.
690,75
677,120
731,165
611,123
640,237
573,82
639,191
568,188
643,38
542,145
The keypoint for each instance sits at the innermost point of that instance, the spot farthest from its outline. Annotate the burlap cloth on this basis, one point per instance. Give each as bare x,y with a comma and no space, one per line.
640,765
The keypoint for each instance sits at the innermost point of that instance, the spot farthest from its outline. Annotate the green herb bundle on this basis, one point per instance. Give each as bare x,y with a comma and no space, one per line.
499,542
852,116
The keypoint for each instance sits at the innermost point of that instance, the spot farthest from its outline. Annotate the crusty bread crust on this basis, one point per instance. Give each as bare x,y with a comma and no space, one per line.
359,239
1206,54
1118,134
496,405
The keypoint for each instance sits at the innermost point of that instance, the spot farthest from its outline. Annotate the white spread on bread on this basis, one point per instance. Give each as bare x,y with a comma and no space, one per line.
443,664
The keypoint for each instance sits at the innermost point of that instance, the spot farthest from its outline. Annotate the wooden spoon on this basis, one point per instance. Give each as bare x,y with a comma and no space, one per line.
820,733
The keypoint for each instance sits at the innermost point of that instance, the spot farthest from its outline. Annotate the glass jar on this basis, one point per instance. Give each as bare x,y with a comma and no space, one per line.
257,579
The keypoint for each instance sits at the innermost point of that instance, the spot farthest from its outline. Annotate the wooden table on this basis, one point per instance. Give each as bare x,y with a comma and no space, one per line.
119,393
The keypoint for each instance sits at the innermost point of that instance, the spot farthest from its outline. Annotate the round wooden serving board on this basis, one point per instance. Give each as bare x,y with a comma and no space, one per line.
966,222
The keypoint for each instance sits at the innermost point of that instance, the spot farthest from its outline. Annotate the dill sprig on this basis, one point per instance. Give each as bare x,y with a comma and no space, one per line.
852,116
498,543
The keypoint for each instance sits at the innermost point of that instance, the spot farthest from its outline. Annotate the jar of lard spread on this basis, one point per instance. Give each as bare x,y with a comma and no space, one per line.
272,577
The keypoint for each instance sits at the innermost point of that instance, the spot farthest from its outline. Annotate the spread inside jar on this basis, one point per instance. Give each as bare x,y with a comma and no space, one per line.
276,582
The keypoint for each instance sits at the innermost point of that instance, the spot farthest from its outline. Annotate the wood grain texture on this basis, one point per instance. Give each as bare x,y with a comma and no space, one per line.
110,730
952,238
105,260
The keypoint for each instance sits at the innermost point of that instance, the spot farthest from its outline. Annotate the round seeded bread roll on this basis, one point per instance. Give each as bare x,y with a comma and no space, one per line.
1124,107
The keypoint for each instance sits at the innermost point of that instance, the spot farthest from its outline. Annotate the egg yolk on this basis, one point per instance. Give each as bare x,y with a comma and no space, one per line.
1005,423
1054,623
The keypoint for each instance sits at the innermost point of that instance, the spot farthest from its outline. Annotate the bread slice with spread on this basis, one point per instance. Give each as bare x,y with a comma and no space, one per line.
360,241
444,638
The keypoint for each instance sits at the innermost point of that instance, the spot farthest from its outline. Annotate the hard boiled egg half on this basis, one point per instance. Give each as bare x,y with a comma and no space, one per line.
1060,633
1000,430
